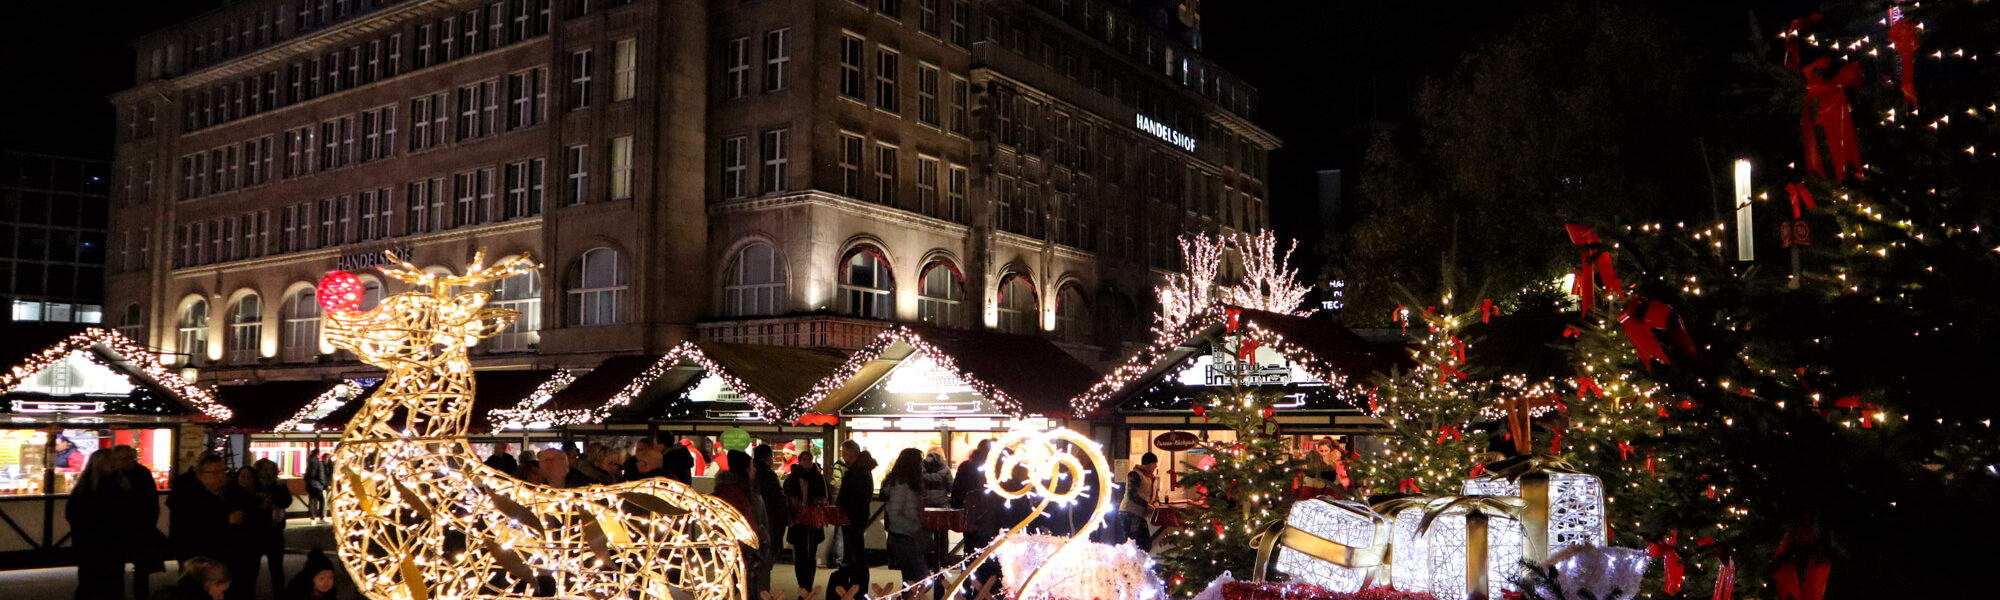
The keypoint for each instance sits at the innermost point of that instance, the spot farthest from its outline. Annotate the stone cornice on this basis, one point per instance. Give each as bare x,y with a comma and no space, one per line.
846,205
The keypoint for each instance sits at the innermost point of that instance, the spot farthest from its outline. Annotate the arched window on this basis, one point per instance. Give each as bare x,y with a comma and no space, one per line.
1017,305
371,294
941,301
133,324
597,289
298,326
1072,316
522,293
866,287
193,336
756,282
246,329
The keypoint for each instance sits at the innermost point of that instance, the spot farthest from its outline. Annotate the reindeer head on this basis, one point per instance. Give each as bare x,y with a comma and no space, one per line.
426,327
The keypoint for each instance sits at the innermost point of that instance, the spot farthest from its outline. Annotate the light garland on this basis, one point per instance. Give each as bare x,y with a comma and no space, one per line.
881,344
1184,296
417,516
1269,283
1122,377
148,365
330,400
530,414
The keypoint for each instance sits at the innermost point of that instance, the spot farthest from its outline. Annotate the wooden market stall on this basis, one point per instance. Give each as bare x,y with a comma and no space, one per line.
71,390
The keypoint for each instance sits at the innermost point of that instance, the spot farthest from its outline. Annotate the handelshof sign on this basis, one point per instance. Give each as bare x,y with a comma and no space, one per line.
355,261
1219,369
1160,130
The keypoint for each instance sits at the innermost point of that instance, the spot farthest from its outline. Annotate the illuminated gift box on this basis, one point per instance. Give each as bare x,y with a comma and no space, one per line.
1334,544
1408,560
1564,508
1473,544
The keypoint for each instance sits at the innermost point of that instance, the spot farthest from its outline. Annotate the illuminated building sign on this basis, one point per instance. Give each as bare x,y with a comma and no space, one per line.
1160,130
1219,369
47,406
712,389
356,261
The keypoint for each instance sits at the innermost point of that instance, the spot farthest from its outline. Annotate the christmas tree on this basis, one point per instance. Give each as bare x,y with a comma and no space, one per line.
1239,485
1431,410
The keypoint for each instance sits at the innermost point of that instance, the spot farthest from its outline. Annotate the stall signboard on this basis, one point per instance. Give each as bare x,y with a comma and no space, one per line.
921,386
1176,441
1218,368
720,402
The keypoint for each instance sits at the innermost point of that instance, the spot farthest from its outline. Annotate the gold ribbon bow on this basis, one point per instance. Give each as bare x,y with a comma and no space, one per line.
1277,533
1478,510
1531,473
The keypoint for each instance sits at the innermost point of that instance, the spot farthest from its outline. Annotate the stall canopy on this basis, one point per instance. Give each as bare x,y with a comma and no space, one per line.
910,370
67,369
696,381
282,406
491,389
1319,363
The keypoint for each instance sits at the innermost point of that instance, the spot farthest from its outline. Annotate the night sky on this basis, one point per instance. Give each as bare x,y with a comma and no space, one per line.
1329,72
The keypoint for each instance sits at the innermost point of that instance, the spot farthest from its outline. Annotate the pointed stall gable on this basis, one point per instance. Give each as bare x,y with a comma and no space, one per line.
919,370
492,389
94,351
695,380
1290,350
264,407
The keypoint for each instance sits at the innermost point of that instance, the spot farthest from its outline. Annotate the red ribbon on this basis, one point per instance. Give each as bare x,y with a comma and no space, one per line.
1801,568
1449,432
1487,310
1201,411
1903,34
1595,269
1373,407
1671,560
1792,35
1556,442
1409,486
1826,106
1799,194
1477,470
1725,581
1246,350
1588,384
1624,451
1235,317
1644,315
1401,316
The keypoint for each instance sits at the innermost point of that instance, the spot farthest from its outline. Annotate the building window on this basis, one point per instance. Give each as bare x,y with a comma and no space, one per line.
927,94
625,69
961,14
927,16
478,110
736,71
756,283
1072,316
246,329
597,289
133,324
524,189
890,8
961,97
577,171
941,301
621,167
850,165
579,79
885,174
427,122
193,338
527,95
1017,308
299,326
777,159
886,68
520,293
867,289
777,59
927,185
850,66
735,165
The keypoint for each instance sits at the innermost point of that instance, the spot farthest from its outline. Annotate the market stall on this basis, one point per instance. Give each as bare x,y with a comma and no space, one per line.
492,389
696,391
279,420
1317,365
70,390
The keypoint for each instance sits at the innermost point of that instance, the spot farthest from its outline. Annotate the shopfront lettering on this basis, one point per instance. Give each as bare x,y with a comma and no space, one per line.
1160,130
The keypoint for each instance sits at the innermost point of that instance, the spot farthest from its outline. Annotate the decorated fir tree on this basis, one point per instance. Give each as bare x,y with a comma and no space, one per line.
1431,410
1239,486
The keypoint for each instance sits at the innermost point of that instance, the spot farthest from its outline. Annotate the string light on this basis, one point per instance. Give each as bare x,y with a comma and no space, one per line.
91,340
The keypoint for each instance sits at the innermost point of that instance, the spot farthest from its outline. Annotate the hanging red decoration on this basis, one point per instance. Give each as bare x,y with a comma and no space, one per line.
1799,193
1673,571
1802,567
1793,32
340,292
1826,107
1487,310
1642,317
1903,36
1595,269
1586,384
1725,581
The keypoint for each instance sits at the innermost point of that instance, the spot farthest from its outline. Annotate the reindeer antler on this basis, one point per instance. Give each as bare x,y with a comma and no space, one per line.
402,270
479,272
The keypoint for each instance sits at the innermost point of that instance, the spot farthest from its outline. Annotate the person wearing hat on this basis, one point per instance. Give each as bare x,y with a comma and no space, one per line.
316,581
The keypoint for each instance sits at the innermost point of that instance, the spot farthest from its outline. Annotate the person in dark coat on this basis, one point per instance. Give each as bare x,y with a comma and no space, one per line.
315,581
937,494
646,464
777,512
202,578
805,487
250,539
101,529
149,546
502,460
200,516
272,497
733,485
68,457
856,498
317,477
680,464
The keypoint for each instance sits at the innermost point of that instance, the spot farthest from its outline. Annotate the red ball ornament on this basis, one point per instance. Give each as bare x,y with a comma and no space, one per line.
340,292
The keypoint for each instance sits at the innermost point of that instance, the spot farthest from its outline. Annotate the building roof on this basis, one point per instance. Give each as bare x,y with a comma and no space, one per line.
1325,349
261,407
492,389
26,349
768,378
1022,375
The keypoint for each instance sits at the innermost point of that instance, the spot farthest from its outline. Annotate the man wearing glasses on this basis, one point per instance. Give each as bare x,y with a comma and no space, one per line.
200,516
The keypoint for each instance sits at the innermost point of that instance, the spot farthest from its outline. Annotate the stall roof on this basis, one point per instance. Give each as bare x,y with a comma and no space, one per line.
1022,375
491,389
1323,348
261,407
27,349
767,377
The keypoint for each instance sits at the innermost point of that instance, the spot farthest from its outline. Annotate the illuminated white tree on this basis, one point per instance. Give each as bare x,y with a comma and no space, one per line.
1191,292
1269,282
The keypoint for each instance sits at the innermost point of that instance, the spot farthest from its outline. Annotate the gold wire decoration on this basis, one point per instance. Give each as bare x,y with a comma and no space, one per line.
418,517
1054,475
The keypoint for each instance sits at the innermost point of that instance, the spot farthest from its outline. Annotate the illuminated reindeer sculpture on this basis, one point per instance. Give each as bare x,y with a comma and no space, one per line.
418,517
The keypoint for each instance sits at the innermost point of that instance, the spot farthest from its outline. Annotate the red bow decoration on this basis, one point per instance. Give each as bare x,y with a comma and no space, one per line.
1402,316
1671,562
1556,442
1487,310
1801,568
1652,463
1624,451
1903,35
1644,315
1235,318
1246,350
1449,432
1792,38
1266,412
1409,486
1826,107
1867,409
1799,194
1477,470
1595,269
1725,581
1586,384
1201,411
1373,407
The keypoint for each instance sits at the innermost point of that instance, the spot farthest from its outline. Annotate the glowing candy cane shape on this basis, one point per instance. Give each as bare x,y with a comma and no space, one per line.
1047,467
